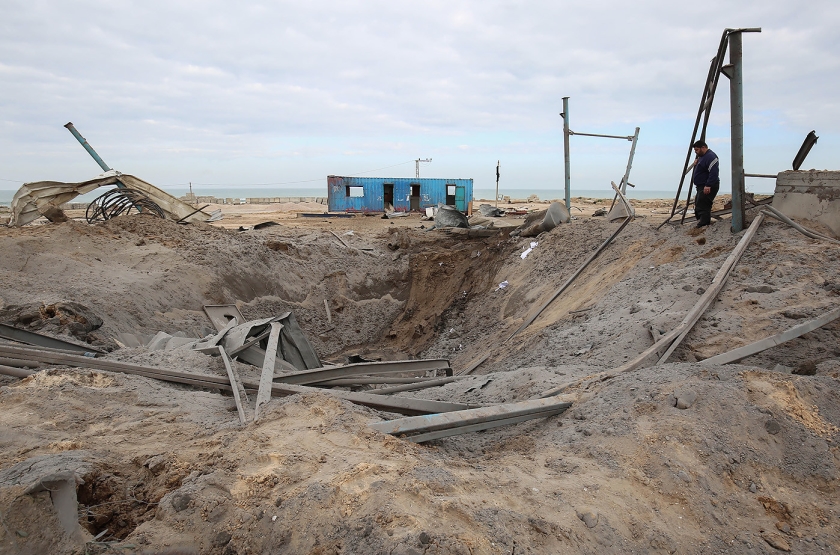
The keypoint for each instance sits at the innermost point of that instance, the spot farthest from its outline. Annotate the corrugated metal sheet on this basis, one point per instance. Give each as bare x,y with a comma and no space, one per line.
369,194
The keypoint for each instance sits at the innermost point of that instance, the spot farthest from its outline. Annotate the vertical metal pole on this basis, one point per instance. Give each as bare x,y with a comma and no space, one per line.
629,162
736,103
566,151
498,163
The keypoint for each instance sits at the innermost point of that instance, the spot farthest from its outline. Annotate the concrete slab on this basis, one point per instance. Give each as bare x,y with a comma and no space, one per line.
811,195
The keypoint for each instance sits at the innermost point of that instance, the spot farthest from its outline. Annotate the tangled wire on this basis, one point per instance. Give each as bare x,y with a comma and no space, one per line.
117,202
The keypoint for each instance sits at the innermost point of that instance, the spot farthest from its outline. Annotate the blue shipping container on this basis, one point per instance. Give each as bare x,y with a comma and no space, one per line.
377,194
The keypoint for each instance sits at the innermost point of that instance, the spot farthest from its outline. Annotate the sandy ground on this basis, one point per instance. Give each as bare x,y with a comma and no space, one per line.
751,466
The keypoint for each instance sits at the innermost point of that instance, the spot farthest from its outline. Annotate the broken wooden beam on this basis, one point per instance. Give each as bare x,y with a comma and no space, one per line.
715,287
668,339
754,348
402,405
235,386
434,426
362,368
416,385
264,391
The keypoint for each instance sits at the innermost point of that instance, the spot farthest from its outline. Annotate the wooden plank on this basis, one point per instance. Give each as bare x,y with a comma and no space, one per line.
264,391
433,422
15,372
234,386
402,405
361,368
715,287
754,348
416,385
429,436
701,305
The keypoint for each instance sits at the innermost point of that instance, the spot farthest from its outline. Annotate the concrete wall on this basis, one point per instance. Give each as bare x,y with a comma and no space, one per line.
811,195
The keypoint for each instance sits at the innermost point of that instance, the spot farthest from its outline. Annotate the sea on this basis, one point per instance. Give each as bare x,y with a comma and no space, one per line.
6,195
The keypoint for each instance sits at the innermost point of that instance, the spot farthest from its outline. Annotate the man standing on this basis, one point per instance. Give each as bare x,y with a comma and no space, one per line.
707,182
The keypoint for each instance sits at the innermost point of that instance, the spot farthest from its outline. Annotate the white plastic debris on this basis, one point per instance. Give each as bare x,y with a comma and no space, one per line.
503,284
529,249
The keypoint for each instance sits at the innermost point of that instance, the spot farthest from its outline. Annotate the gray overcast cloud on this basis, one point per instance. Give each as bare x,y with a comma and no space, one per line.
249,93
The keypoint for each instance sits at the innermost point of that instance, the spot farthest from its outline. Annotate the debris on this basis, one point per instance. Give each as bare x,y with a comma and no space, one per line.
34,199
40,340
600,212
490,211
675,336
264,393
685,398
589,517
502,285
553,216
235,387
747,350
436,426
448,216
222,314
528,250
402,405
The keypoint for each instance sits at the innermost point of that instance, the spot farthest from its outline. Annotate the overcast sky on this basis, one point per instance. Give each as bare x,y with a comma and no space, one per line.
228,93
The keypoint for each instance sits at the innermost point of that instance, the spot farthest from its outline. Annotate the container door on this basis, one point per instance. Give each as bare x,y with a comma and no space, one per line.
460,198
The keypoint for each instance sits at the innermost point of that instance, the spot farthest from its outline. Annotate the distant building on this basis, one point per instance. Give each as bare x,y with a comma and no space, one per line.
402,194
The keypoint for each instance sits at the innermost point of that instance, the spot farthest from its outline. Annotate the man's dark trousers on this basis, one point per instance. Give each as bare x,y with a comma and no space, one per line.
703,205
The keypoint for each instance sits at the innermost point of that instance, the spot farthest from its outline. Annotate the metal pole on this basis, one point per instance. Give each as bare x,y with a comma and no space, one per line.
736,103
87,147
498,163
629,162
567,167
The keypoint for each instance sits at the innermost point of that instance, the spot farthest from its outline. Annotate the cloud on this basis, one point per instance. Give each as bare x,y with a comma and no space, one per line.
184,87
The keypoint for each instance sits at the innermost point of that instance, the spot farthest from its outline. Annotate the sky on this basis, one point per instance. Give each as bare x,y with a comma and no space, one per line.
282,94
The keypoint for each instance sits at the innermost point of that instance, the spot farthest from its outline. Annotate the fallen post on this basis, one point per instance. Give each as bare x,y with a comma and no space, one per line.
434,426
15,372
668,339
362,368
803,230
400,405
264,391
235,386
20,363
416,385
754,348
40,340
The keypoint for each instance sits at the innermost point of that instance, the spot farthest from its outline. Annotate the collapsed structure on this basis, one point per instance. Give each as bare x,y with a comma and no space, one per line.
366,389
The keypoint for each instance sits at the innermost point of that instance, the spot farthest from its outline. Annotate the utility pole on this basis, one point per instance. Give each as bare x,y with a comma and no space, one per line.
418,165
566,161
498,163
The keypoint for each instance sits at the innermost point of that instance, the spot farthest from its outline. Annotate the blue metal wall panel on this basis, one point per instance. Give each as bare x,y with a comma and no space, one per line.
432,192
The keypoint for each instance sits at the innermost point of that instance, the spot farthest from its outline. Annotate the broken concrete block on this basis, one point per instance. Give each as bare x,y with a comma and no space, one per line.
685,398
159,341
589,517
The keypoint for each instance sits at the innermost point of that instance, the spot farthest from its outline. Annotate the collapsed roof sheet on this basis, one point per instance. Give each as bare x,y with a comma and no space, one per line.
33,200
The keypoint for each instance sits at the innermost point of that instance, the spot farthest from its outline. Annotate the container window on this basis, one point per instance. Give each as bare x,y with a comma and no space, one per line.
355,191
